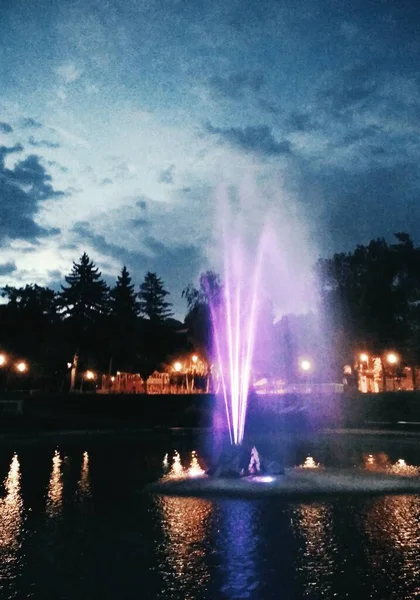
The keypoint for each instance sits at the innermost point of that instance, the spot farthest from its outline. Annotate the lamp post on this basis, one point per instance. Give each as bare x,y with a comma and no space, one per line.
392,359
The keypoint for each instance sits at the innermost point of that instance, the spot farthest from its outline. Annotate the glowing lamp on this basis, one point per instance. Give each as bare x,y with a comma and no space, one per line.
2,360
21,366
177,367
392,358
305,365
364,357
194,358
90,375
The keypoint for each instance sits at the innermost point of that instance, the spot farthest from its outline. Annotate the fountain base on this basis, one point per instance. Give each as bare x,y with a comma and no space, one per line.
294,484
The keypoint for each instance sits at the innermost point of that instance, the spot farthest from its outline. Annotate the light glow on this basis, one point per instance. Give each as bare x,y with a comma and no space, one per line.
21,366
364,357
195,470
90,375
2,360
392,358
194,358
305,365
177,366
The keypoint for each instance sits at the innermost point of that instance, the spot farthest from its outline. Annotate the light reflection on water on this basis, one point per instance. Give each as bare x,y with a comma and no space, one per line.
185,524
11,519
317,560
194,548
238,522
83,485
393,527
55,487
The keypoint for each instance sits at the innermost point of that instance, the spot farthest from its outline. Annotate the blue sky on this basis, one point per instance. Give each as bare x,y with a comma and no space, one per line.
121,121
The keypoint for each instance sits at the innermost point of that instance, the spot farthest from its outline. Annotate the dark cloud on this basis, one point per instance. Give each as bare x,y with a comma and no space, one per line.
142,203
167,175
236,85
353,207
139,222
352,88
29,122
22,189
106,181
257,139
5,127
7,268
301,121
42,143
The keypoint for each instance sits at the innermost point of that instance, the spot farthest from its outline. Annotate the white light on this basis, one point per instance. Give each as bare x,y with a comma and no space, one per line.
305,365
69,365
90,375
194,358
392,358
364,357
21,366
264,479
177,367
2,360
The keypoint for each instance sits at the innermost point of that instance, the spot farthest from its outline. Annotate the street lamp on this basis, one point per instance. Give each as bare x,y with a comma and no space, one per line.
90,375
3,360
177,366
364,357
392,358
194,358
21,366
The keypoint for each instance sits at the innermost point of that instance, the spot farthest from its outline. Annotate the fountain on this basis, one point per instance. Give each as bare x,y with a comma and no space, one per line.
239,469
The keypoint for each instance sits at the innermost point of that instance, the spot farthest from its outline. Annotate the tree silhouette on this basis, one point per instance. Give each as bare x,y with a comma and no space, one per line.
86,296
152,296
200,302
123,300
123,322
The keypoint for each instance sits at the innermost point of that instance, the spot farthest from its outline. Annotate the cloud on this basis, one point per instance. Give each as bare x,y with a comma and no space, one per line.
176,264
301,121
68,72
257,139
22,189
42,143
7,268
29,122
106,181
352,88
167,175
139,222
236,85
5,127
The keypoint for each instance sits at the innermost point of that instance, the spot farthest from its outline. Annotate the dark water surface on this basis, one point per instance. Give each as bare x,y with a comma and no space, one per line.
75,525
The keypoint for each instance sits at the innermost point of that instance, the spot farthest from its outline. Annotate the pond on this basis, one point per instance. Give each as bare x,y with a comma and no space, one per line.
74,524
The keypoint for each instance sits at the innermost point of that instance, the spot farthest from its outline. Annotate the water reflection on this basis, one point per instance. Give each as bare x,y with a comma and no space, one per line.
83,485
239,551
185,523
392,525
55,487
317,564
11,519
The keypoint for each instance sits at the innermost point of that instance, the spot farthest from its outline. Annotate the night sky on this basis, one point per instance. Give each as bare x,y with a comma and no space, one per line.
120,121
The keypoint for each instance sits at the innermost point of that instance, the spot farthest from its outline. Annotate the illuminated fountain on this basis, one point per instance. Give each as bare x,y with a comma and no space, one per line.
250,266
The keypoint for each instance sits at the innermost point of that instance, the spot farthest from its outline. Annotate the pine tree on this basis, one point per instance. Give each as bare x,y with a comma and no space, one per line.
124,303
152,299
86,296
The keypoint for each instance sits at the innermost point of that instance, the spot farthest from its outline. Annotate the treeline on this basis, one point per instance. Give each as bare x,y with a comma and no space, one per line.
369,300
117,328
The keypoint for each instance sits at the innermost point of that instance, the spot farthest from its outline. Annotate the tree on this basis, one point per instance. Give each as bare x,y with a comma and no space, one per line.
200,302
124,304
86,296
152,299
123,322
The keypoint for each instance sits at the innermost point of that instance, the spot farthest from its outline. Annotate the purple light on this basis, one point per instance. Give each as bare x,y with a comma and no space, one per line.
235,319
